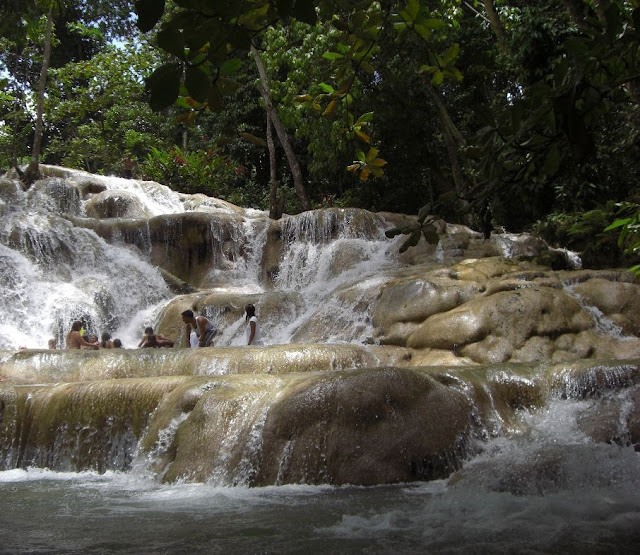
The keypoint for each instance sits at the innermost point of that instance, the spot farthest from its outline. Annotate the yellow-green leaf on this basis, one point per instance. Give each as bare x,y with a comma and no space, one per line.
331,108
363,136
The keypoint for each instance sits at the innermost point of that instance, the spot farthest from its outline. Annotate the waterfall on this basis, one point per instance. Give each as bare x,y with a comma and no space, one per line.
485,395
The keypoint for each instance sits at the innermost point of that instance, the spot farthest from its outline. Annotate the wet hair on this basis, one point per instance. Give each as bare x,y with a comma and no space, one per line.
106,336
76,326
148,330
188,313
250,310
151,342
117,343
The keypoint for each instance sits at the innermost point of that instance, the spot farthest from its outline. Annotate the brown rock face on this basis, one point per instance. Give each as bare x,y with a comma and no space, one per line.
364,428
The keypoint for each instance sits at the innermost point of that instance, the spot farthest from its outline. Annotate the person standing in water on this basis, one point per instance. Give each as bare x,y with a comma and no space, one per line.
204,328
252,331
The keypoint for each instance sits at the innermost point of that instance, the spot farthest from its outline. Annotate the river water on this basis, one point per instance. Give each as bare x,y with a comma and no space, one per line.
548,491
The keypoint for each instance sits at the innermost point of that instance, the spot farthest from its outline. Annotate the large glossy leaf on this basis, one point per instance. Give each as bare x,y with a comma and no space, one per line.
284,7
305,11
197,84
149,13
552,161
208,31
172,40
227,86
164,85
230,66
215,100
253,139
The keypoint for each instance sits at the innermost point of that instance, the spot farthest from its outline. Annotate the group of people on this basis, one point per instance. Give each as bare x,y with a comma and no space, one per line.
200,332
75,340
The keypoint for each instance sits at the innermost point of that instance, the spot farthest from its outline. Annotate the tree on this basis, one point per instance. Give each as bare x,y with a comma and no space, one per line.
73,18
98,114
33,169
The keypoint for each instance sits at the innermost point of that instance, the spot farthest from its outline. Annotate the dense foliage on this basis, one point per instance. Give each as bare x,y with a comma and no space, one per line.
494,113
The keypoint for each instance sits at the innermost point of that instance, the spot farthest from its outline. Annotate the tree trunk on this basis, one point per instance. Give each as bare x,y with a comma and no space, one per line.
577,11
496,24
33,171
452,137
274,213
294,166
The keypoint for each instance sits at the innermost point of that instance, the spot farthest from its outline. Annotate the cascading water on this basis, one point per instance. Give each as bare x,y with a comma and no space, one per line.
336,436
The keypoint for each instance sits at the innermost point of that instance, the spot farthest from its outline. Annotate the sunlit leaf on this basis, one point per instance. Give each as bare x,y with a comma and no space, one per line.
365,118
326,88
332,56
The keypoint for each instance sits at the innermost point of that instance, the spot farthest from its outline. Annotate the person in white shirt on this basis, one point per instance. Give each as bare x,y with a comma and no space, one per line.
252,331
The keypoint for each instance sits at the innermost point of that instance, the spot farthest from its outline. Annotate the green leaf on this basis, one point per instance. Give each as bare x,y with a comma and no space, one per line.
365,118
164,86
226,86
438,78
371,155
451,54
253,139
423,31
230,66
576,46
614,22
149,13
424,212
618,223
412,10
552,161
326,88
215,100
412,241
430,234
332,56
433,23
203,33
172,40
197,83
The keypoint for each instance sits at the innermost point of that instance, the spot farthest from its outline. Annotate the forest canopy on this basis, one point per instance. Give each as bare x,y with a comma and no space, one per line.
495,113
